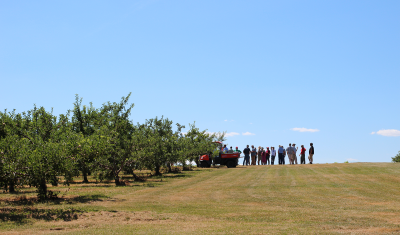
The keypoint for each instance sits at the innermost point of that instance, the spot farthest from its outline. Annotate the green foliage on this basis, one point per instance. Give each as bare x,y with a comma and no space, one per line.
33,149
160,143
37,147
396,158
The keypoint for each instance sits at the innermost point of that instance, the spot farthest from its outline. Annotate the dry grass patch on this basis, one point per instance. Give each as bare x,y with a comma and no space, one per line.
302,199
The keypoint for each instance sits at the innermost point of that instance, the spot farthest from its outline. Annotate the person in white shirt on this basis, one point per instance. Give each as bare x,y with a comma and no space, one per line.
273,154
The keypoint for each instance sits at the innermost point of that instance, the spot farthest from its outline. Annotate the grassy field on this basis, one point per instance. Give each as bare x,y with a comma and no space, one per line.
354,198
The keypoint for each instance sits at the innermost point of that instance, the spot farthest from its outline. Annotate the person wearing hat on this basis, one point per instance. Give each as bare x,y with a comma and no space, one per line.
237,150
294,157
311,153
302,155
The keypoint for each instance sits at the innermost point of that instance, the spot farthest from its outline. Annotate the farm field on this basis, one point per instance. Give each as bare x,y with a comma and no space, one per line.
340,198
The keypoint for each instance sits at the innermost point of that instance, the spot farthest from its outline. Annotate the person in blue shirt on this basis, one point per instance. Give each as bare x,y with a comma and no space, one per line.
281,157
225,149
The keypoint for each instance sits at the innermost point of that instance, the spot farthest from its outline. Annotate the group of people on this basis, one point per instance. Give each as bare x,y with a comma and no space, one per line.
266,156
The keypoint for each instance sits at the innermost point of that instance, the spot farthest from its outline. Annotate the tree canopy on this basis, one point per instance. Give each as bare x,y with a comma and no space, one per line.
36,147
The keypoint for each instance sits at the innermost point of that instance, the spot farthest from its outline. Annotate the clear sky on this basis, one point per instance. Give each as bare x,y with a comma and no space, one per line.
261,70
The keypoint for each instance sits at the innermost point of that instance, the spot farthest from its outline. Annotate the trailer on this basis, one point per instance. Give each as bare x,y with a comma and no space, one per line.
228,159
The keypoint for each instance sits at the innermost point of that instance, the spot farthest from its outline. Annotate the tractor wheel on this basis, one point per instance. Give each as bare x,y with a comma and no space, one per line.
230,164
204,164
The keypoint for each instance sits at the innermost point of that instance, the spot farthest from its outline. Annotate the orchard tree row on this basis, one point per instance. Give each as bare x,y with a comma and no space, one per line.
36,147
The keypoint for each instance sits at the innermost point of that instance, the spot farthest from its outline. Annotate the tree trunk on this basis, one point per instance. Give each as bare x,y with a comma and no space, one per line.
11,186
117,181
157,170
85,179
42,190
169,167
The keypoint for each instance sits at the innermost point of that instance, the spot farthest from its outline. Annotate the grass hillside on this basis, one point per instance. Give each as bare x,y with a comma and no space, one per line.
299,199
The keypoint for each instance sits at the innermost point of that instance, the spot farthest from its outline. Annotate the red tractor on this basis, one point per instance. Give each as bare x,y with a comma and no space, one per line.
222,158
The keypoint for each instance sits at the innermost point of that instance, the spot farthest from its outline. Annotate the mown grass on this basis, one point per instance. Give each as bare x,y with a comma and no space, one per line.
356,198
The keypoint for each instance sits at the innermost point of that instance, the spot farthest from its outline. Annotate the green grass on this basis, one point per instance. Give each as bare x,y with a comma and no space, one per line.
356,198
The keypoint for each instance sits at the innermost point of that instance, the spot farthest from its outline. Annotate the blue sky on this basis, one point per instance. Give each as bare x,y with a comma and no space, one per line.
257,67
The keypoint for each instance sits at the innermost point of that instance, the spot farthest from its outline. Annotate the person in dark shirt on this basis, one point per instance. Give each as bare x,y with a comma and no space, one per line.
311,153
246,152
253,155
267,153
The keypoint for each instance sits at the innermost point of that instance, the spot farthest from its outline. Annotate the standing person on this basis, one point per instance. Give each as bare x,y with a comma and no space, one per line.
253,155
294,156
267,153
246,152
289,152
259,154
273,154
283,156
263,157
302,155
311,153
280,154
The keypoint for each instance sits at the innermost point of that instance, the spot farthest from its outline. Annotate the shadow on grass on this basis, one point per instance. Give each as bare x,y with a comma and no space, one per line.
85,198
22,215
24,201
176,175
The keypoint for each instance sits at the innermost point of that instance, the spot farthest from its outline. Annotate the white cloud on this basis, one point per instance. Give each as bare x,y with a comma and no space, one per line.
351,160
251,123
225,120
304,129
231,134
390,132
248,133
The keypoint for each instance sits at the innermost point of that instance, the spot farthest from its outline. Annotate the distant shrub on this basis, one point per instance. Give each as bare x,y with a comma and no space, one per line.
396,158
346,162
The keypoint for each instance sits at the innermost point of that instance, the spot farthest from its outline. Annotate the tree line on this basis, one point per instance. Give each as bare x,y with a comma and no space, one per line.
36,146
